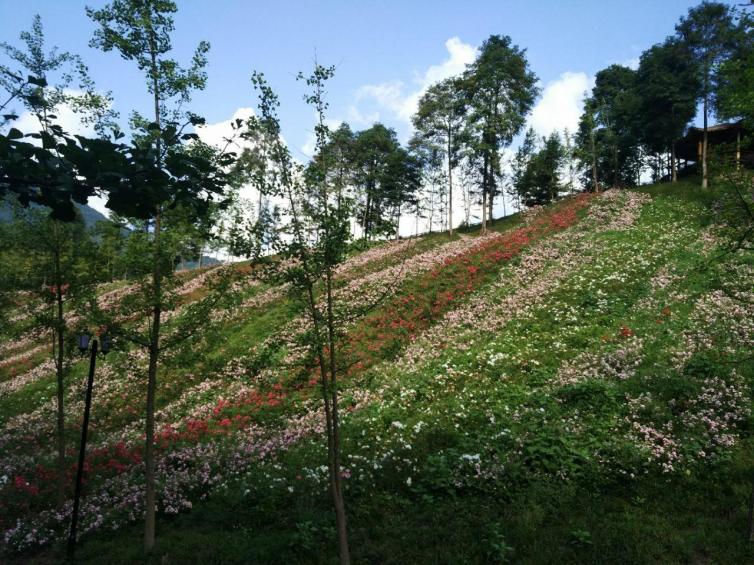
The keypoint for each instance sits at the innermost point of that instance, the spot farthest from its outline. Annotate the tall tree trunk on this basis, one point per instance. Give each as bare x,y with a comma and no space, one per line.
367,217
673,164
340,510
484,195
59,352
154,352
331,417
450,181
705,178
750,518
594,163
491,190
326,381
154,342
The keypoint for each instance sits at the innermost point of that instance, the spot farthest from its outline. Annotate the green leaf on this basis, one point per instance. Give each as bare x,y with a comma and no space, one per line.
38,81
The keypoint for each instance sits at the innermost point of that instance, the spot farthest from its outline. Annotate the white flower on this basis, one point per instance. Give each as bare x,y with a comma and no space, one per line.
398,425
408,481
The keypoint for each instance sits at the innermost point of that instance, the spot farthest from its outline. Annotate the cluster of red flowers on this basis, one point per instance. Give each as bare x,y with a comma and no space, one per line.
103,462
62,289
23,485
384,332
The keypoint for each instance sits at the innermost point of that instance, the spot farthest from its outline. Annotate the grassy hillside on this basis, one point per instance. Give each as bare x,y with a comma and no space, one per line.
573,386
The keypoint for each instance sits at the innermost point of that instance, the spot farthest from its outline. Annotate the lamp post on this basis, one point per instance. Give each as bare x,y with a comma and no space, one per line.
84,341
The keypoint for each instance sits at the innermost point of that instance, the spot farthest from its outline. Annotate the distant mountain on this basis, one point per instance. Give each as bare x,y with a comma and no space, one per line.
89,214
206,262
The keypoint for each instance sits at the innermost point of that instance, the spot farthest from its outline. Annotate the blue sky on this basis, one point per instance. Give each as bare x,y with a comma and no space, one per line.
386,52
383,50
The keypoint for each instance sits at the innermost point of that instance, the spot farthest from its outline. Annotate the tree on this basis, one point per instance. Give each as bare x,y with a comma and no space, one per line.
249,233
521,164
40,167
708,31
586,145
40,80
607,132
667,85
734,98
431,196
401,184
569,157
171,175
548,162
52,260
314,241
43,82
500,91
440,120
536,172
337,158
386,178
112,235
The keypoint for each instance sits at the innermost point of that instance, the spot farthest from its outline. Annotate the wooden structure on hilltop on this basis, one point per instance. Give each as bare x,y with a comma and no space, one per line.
728,139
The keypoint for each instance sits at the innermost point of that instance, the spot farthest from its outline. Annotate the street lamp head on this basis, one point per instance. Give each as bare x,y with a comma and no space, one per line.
105,342
83,342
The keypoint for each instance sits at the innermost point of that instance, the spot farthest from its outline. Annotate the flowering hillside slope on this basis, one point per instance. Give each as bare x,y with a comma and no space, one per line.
574,385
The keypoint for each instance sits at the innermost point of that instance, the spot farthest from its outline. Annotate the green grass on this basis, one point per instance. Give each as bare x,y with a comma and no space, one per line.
479,454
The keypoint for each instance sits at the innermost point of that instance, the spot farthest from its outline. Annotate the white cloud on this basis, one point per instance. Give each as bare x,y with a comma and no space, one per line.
561,104
98,203
221,135
216,134
69,120
357,118
400,100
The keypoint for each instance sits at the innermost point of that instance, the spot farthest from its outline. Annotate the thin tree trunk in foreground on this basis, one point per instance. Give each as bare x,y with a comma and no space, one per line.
705,179
750,521
154,352
59,352
337,488
154,344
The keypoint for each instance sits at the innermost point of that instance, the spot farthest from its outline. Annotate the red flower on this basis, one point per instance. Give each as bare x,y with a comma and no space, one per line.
23,485
625,331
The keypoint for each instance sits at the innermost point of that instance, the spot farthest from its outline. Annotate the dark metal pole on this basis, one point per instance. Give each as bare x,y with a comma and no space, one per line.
82,452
